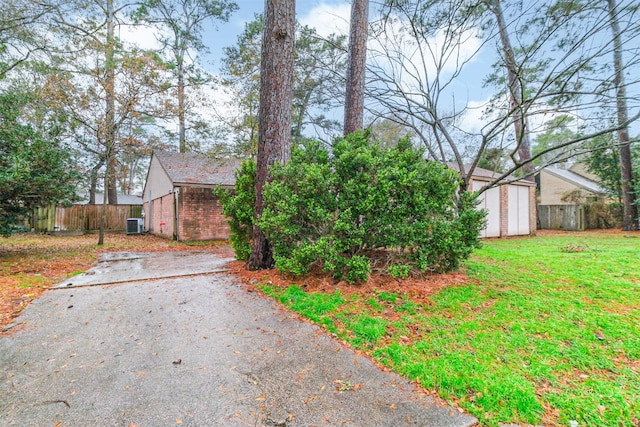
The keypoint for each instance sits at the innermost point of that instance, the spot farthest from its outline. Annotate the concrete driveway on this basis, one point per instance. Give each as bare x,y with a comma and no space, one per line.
189,350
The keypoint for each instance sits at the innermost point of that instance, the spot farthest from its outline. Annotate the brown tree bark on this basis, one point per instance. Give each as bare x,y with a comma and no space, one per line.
354,99
182,132
109,125
629,208
276,97
516,91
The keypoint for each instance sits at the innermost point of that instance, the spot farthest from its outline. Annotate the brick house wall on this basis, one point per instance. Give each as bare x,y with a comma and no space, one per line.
533,210
504,210
200,215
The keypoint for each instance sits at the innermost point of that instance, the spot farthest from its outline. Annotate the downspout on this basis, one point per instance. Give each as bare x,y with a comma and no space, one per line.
176,196
150,213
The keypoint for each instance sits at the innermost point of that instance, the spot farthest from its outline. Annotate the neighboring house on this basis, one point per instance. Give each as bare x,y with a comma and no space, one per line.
511,208
178,195
571,199
563,187
582,170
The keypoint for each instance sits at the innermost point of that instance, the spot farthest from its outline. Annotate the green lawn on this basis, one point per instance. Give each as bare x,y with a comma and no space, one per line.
547,331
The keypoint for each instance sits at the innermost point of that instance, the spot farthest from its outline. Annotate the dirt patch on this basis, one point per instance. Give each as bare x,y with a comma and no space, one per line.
417,289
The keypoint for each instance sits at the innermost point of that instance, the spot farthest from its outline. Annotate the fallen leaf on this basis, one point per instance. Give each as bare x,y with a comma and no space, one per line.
343,385
310,399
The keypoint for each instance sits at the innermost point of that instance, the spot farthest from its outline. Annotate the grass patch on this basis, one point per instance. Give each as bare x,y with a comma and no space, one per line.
546,332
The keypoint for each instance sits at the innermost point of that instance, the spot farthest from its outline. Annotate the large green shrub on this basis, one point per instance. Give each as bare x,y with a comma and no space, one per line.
238,207
333,211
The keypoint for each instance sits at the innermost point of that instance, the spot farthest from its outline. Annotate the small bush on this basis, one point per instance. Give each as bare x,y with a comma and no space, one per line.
238,208
399,271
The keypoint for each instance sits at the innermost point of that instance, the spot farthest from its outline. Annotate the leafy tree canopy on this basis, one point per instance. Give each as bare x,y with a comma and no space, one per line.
603,160
35,169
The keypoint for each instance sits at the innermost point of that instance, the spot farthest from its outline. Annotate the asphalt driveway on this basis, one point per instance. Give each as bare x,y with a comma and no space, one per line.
189,349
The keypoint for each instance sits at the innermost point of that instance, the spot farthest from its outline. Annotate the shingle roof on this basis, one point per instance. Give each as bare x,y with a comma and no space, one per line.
482,174
577,180
198,169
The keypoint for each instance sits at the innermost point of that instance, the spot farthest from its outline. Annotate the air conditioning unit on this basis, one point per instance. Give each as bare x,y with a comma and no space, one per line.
135,225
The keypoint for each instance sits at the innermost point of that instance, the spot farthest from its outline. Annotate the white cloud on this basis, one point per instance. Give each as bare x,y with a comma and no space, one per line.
142,36
422,61
328,18
473,119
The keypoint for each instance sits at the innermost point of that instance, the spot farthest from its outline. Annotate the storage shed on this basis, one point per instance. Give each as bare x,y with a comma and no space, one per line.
178,198
511,207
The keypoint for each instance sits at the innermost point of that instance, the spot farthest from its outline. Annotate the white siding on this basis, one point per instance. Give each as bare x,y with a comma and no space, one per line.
158,182
489,200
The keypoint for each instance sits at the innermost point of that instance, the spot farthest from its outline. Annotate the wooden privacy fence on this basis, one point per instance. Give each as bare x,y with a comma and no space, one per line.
561,217
82,218
589,216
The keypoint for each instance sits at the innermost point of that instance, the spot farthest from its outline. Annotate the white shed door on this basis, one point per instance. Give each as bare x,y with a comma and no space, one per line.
489,200
518,210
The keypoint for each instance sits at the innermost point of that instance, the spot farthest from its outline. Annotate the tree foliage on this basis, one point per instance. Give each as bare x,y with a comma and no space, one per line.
35,169
319,67
238,208
603,160
180,24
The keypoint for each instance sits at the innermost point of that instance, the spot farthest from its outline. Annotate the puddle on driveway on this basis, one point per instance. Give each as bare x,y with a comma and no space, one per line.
118,267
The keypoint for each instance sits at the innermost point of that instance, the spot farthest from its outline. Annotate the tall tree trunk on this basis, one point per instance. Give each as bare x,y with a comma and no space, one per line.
276,97
630,210
132,175
93,182
354,97
516,92
113,181
182,133
109,131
